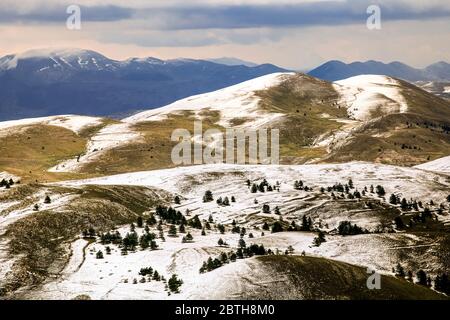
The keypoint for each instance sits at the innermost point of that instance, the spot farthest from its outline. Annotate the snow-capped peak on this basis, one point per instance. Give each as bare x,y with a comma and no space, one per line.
58,57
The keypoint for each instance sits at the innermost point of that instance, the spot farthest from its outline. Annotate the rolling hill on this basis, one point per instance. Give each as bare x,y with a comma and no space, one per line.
366,118
337,70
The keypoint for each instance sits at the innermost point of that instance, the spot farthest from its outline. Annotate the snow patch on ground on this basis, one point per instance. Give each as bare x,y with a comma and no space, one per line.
71,122
368,93
109,137
439,165
238,101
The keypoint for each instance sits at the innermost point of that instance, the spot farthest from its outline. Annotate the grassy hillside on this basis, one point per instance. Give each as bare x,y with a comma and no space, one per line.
29,151
315,126
310,278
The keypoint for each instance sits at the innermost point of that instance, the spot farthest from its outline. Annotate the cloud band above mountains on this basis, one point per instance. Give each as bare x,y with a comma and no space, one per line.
173,15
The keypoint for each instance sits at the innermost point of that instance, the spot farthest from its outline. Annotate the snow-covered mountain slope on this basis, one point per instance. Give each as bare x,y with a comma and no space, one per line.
113,277
71,122
441,165
367,96
238,101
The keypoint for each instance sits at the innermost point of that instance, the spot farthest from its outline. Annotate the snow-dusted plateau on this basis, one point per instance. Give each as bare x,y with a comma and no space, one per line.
93,208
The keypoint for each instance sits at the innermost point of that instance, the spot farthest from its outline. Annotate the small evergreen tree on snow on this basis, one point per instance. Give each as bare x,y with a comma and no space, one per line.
47,200
277,227
189,237
319,239
208,197
350,183
172,230
221,228
266,208
99,255
177,200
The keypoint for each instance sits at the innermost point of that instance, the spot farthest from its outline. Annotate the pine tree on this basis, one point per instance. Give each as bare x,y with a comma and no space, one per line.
140,222
177,200
153,245
409,276
221,228
393,199
266,208
380,191
226,201
399,271
277,227
421,278
233,199
144,242
220,242
319,239
242,243
189,237
254,188
350,183
99,255
151,220
208,197
173,230
277,210
47,200
404,204
265,226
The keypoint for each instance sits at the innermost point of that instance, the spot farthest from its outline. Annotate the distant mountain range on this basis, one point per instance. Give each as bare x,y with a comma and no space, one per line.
337,70
51,82
230,61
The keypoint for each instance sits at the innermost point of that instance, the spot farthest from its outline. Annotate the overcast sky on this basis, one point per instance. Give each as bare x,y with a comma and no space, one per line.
298,34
